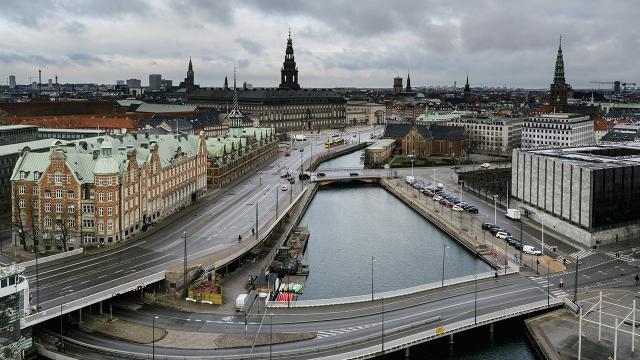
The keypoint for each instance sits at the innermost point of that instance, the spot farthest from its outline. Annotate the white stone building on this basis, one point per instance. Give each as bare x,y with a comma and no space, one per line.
491,135
557,130
362,112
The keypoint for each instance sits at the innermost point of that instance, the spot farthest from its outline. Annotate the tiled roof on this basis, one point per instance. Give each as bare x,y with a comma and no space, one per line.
434,132
618,136
78,121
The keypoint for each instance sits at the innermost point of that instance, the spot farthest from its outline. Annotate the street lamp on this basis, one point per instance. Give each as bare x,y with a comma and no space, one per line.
153,336
495,211
61,338
412,159
372,261
542,229
475,297
444,252
184,273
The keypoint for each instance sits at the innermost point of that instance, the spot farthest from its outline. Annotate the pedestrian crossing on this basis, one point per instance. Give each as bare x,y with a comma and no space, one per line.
581,254
624,255
554,288
334,332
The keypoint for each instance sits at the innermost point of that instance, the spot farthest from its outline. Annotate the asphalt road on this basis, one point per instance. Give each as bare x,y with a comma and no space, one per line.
214,222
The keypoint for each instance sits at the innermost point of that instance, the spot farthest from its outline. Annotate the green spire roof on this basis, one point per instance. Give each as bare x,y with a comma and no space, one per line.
558,78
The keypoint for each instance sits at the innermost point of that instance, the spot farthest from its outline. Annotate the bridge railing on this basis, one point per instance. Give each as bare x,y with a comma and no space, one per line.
446,329
389,294
93,298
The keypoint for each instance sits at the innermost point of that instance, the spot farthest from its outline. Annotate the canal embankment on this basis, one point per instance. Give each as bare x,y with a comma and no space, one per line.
335,153
459,225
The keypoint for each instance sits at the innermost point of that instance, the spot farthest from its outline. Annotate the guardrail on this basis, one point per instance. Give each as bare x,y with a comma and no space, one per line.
447,329
76,304
46,259
387,294
222,262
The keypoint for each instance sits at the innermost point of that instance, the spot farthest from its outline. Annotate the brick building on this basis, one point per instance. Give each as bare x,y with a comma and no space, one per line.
104,189
425,140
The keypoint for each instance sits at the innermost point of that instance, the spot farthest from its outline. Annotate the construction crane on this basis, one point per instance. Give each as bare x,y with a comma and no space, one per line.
616,84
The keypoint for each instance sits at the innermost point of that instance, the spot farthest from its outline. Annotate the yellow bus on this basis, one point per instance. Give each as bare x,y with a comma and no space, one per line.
330,144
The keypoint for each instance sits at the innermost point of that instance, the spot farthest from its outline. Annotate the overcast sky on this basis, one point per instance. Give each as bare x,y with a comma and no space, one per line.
337,43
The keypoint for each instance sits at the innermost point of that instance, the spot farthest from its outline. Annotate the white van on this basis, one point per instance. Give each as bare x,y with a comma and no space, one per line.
240,300
528,249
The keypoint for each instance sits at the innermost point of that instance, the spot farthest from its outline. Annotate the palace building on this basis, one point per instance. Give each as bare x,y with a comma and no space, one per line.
286,107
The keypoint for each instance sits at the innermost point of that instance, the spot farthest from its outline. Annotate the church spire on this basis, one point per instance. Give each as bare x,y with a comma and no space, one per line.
408,88
558,77
226,83
190,65
235,116
289,71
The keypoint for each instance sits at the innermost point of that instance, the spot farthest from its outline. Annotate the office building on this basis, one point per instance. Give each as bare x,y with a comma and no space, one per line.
155,82
588,194
12,81
557,130
491,135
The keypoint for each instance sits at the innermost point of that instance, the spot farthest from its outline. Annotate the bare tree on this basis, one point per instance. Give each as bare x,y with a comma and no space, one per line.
21,226
65,230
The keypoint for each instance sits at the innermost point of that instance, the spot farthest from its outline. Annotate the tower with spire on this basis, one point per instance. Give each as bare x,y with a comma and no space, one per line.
189,83
234,118
559,88
467,91
289,71
408,88
226,83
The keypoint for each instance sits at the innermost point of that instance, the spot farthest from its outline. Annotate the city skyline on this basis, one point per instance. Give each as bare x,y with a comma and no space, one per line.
337,44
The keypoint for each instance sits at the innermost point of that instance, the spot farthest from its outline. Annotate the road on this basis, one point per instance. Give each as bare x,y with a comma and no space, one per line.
212,224
352,325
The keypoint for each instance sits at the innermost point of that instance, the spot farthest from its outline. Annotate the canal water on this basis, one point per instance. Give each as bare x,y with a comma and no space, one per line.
353,161
349,225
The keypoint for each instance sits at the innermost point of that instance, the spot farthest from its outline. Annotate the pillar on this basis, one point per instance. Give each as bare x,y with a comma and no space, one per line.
100,307
491,328
407,353
451,339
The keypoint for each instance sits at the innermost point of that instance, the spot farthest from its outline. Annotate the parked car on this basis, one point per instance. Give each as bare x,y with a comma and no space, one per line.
285,175
457,208
487,226
437,198
472,210
320,174
495,230
455,167
284,187
485,165
353,174
502,235
292,181
528,249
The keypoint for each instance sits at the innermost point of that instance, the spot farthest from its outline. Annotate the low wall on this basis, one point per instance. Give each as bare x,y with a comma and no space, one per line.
316,161
46,259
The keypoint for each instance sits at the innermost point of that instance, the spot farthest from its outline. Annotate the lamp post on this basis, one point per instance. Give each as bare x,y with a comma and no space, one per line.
184,273
495,211
153,336
372,261
270,334
444,252
277,192
542,229
382,324
412,159
475,299
61,338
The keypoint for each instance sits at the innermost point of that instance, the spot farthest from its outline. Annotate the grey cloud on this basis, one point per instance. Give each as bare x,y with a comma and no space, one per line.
250,46
83,59
15,59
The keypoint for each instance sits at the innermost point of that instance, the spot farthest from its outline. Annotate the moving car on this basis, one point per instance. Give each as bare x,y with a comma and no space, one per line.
487,226
528,249
320,174
353,174
285,175
292,181
485,165
502,235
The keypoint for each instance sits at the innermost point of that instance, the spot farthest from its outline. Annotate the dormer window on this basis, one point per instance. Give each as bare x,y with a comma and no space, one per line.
22,175
36,175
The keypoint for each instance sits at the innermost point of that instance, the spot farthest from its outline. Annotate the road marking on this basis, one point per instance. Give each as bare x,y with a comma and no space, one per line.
581,254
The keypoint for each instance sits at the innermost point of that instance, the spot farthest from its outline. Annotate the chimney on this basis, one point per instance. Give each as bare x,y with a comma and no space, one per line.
144,145
100,140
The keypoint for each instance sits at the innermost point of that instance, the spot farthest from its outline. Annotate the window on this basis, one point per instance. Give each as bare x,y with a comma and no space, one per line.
47,221
22,189
100,226
58,194
57,178
22,175
88,209
47,207
100,211
88,223
71,209
21,203
71,222
36,175
92,194
47,193
58,208
71,194
100,197
109,226
36,189
109,211
109,197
